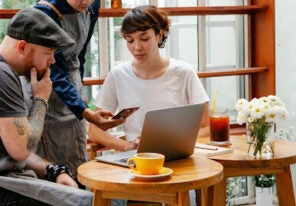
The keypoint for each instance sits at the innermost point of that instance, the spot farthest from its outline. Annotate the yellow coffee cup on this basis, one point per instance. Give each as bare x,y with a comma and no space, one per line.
146,163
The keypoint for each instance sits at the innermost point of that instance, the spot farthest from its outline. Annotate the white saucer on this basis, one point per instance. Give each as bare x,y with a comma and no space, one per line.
162,173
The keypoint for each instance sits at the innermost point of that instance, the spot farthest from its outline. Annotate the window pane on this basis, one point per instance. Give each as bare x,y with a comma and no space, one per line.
91,68
221,46
3,25
183,39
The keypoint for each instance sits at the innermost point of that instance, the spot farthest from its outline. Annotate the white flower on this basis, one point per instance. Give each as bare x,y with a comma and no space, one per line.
282,113
257,111
241,104
251,105
264,99
250,119
271,115
241,117
274,100
266,106
255,101
269,109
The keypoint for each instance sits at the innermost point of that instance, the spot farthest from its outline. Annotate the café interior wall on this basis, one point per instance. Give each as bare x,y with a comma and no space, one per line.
286,64
285,57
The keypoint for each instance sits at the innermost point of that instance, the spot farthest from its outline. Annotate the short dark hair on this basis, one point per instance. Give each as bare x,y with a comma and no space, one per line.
142,18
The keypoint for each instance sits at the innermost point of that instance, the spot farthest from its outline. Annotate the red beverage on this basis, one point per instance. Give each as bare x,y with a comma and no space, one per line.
115,4
219,127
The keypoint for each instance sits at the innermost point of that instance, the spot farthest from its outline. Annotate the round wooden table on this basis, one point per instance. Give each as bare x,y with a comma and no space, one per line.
114,182
239,163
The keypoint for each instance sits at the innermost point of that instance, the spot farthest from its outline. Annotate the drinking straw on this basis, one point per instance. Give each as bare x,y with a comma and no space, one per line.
214,102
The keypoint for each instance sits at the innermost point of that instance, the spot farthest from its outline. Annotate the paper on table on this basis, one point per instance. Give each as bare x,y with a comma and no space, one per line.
209,150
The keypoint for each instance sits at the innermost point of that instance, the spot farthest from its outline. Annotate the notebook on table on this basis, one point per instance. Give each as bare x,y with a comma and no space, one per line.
170,131
210,150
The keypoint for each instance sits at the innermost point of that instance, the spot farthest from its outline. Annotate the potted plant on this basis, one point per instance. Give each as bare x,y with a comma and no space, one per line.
264,184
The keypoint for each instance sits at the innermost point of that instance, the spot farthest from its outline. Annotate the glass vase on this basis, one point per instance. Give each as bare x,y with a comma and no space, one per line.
259,140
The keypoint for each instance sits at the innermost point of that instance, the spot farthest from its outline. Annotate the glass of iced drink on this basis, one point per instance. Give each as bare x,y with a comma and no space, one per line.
219,127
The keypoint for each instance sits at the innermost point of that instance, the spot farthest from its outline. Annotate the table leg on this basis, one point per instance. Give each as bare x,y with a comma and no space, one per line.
199,197
206,196
183,198
209,196
285,187
98,199
219,189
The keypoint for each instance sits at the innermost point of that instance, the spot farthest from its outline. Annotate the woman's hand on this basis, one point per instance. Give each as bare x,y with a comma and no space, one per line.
102,118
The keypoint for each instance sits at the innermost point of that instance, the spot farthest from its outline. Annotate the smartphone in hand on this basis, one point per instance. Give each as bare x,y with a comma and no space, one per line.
125,112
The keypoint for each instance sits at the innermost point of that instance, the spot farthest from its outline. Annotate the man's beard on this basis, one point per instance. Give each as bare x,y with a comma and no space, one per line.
28,64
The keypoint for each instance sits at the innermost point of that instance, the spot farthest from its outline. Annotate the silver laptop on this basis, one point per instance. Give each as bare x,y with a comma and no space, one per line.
171,131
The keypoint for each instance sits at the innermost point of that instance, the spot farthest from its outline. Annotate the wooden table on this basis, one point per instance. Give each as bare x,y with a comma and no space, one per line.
239,163
114,182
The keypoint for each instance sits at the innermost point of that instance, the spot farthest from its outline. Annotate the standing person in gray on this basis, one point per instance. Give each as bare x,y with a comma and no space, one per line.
25,178
64,136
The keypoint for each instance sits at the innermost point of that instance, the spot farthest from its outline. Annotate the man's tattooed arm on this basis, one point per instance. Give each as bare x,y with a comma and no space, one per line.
38,164
36,119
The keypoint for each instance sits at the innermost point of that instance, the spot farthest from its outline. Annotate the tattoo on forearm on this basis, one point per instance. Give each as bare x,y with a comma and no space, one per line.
35,159
36,119
20,126
37,163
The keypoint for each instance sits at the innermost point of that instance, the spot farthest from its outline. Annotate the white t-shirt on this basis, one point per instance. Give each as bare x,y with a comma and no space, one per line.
178,86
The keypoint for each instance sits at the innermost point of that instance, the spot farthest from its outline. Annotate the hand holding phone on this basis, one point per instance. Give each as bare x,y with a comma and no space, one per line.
125,112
